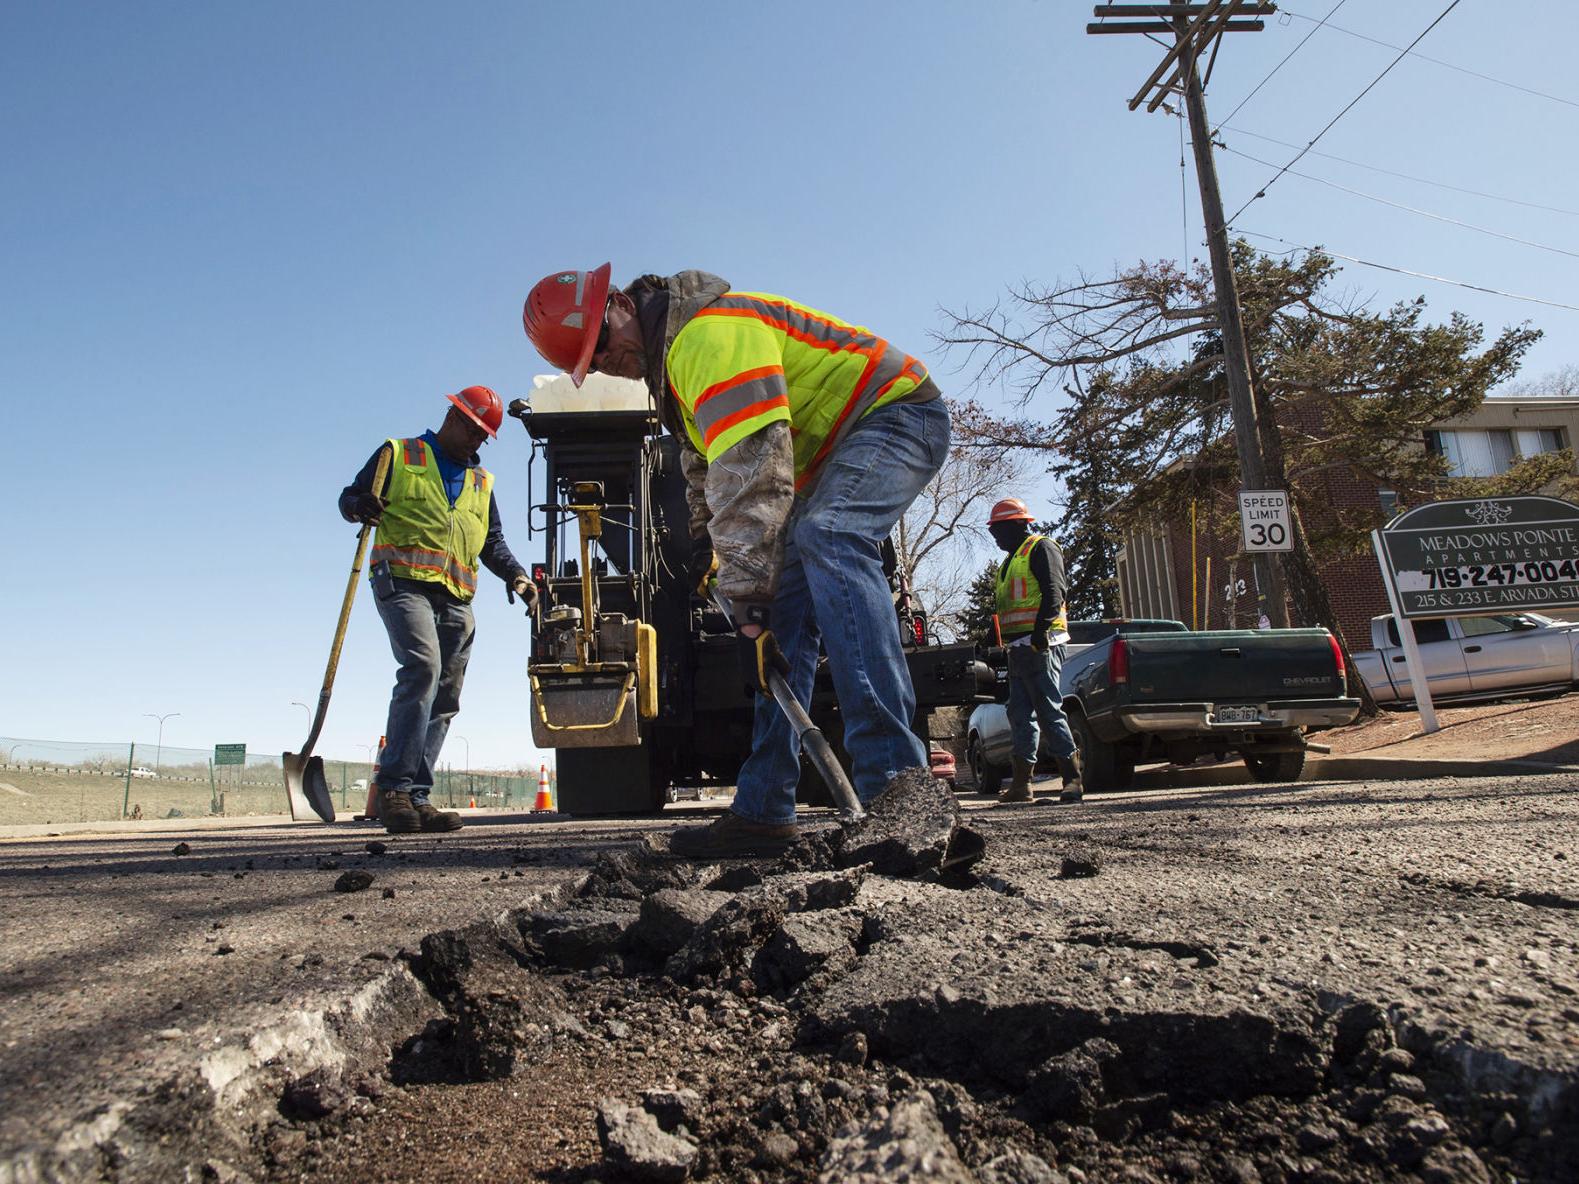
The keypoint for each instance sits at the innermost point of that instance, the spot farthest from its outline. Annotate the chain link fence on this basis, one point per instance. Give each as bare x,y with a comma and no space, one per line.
52,781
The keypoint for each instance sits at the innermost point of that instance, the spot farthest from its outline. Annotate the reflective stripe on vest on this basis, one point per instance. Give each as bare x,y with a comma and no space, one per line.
1019,594
750,359
421,536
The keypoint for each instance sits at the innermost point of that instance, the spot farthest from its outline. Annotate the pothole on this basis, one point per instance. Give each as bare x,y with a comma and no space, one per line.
723,999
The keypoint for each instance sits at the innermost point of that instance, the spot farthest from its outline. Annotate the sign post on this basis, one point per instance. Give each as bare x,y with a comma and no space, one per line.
1406,634
1475,557
230,754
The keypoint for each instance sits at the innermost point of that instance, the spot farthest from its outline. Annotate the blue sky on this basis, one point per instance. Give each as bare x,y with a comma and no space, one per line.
240,244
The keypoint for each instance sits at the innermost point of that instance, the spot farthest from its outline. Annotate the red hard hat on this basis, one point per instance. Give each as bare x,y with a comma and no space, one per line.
1010,509
563,316
481,406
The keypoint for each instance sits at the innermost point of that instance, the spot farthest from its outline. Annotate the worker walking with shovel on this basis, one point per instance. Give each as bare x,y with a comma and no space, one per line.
803,439
436,518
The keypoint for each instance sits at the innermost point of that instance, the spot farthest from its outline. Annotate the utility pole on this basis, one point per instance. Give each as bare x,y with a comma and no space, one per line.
1194,28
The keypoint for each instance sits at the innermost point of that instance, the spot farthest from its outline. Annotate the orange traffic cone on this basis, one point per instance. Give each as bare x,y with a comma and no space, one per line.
545,800
473,804
370,811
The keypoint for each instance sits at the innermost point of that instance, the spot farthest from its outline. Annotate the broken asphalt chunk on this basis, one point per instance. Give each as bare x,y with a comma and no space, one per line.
907,1144
907,827
638,1148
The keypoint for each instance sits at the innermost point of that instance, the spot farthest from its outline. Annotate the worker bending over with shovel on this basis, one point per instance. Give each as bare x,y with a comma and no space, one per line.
1030,590
436,517
803,439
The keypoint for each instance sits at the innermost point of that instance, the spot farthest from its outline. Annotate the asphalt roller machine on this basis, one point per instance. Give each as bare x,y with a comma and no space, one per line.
633,678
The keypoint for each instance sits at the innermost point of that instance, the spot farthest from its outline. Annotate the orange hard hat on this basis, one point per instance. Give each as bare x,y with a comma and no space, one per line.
564,315
481,406
1010,509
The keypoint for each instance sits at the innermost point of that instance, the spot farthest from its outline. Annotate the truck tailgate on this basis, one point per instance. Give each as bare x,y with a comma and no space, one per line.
1237,666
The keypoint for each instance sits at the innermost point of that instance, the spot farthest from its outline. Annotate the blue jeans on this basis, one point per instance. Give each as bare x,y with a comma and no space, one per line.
833,592
430,633
1033,695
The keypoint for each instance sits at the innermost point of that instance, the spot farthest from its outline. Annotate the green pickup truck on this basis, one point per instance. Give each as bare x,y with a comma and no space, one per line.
1171,694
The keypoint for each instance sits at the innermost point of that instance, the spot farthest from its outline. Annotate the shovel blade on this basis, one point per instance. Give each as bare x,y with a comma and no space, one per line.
306,788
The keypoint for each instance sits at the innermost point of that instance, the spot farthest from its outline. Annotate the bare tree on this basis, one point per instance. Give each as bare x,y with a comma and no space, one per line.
1562,383
942,537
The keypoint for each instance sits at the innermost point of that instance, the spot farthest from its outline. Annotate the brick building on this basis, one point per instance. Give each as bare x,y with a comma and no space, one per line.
1193,570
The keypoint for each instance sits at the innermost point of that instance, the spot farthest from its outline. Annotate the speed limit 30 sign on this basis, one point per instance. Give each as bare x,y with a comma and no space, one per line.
1264,520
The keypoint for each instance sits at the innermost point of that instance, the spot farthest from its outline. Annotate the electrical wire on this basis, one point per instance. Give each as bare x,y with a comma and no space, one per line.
1410,209
1540,94
1284,62
1260,193
1441,279
1531,205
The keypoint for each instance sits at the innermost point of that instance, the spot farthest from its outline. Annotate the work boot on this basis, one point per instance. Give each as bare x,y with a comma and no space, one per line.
397,813
434,819
1020,787
731,837
1074,790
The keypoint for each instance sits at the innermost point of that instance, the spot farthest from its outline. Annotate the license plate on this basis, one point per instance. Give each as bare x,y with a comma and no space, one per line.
1237,715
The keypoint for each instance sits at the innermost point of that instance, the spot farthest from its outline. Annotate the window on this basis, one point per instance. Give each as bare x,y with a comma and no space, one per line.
1427,630
1489,452
1480,626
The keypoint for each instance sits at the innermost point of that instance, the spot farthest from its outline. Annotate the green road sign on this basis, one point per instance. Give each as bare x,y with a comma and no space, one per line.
230,754
1486,555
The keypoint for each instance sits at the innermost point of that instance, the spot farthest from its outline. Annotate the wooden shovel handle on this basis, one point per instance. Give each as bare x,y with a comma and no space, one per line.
380,472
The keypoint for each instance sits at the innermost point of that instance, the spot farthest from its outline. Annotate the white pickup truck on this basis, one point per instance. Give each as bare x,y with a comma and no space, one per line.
1474,657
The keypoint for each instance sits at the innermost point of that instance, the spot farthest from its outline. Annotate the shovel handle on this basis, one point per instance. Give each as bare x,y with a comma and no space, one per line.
380,472
813,743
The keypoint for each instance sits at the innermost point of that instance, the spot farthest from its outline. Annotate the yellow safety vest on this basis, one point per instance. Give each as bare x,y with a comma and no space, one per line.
421,536
750,359
1019,595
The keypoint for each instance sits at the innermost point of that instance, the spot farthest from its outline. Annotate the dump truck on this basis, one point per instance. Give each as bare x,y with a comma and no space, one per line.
633,678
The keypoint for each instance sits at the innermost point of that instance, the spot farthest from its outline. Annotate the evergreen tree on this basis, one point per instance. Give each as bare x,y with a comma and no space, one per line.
975,618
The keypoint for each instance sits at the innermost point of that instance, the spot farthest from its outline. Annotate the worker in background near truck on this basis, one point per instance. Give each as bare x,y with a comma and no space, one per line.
436,517
1031,618
803,438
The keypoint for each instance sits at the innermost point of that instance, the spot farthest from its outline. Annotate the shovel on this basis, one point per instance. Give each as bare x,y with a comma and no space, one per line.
812,742
306,787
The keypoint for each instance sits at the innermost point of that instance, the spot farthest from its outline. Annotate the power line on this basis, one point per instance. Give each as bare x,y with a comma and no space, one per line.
1284,62
1260,193
1238,131
1441,279
1410,209
1540,94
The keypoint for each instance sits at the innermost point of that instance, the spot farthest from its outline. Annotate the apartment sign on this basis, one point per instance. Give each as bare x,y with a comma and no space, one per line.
1473,557
1264,520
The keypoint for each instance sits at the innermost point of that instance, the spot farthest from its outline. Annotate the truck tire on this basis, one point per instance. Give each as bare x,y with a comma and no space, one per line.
1103,765
989,777
1271,767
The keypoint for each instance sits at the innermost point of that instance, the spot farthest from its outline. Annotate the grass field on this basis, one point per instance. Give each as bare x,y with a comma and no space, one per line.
52,795
80,795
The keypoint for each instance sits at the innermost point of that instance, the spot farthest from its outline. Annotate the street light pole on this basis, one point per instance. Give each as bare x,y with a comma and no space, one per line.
159,746
11,753
305,708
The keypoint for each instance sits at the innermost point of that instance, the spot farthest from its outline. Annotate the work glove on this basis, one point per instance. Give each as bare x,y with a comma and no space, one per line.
368,507
759,654
702,568
1039,641
521,585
